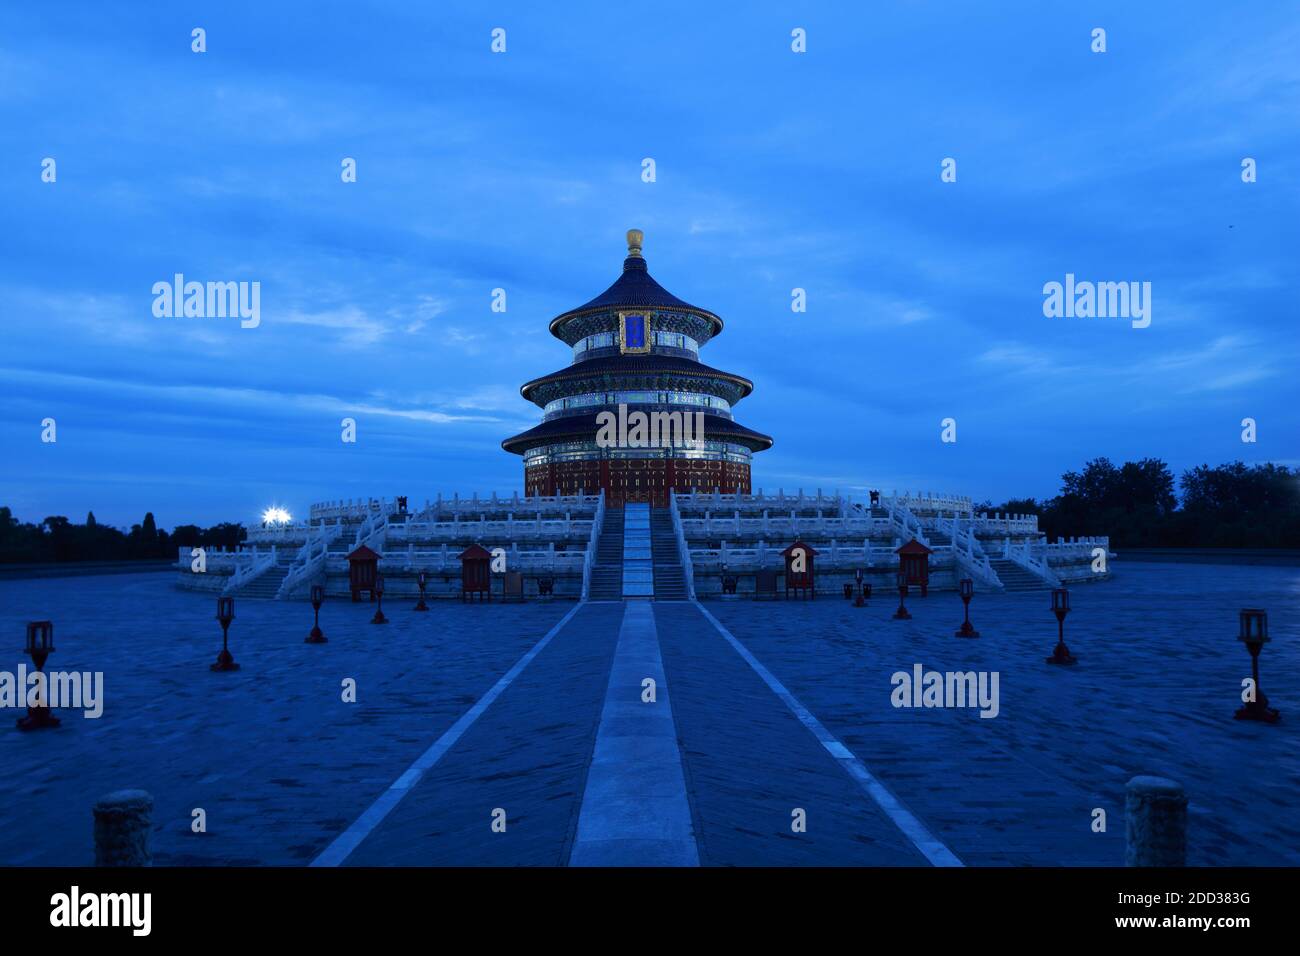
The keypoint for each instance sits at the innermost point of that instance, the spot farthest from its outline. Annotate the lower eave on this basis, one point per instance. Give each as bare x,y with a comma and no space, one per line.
584,428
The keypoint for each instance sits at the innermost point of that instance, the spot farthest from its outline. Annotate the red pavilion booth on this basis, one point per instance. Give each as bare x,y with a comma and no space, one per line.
475,572
914,562
363,569
799,579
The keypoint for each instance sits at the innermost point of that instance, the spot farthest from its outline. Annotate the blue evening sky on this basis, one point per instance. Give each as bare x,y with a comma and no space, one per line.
522,171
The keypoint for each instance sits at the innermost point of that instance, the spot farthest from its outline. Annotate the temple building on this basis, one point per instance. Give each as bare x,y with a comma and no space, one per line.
637,485
636,351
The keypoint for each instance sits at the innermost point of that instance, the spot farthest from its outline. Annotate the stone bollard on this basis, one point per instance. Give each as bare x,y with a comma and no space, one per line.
1155,813
123,820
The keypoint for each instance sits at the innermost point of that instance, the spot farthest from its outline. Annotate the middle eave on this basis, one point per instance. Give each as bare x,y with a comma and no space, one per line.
636,365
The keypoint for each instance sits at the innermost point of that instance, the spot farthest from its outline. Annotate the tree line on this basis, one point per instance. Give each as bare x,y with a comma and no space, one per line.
1138,505
58,539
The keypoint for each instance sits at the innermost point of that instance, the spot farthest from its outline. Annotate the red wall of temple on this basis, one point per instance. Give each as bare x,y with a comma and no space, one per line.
636,479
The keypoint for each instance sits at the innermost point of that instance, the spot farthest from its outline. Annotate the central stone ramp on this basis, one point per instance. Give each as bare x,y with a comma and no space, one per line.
638,557
635,811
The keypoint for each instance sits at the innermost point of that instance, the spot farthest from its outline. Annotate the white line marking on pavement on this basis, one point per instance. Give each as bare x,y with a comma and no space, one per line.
931,847
351,838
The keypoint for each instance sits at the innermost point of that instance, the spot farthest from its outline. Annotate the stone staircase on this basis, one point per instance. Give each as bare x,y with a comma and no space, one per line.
266,585
939,539
1016,578
670,580
607,572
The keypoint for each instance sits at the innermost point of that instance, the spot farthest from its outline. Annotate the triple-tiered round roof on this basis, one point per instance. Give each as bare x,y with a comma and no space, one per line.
609,369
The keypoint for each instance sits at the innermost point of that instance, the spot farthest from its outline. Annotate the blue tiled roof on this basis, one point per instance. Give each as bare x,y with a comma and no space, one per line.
635,288
617,365
584,428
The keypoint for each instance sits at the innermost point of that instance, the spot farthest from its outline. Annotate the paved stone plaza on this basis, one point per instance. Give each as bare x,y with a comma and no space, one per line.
282,766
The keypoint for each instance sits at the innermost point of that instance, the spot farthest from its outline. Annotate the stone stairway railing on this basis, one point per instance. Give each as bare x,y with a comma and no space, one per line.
716,501
689,503
444,559
764,555
928,501
548,505
905,524
245,572
999,523
373,533
968,551
683,551
509,530
285,535
310,561
1077,547
1023,556
851,525
589,558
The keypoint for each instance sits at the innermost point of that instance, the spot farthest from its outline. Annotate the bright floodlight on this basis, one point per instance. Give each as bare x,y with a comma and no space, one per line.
276,516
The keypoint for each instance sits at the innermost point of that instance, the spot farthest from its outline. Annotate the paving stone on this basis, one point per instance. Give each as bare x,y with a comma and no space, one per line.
1158,677
278,762
528,754
281,765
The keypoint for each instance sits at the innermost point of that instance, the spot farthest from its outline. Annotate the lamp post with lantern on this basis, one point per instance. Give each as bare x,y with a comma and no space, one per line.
422,580
1254,634
40,645
317,636
864,589
966,587
225,614
1061,607
902,614
379,594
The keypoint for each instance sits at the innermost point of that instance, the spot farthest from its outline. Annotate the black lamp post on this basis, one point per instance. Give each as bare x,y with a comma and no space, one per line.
40,645
317,636
902,614
967,589
1061,607
1254,634
422,580
225,614
379,609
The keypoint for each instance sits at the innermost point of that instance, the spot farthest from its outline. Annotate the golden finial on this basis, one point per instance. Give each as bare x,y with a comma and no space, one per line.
634,237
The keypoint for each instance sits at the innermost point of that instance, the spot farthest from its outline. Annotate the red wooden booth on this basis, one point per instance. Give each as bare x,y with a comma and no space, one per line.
475,573
799,570
914,562
363,568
